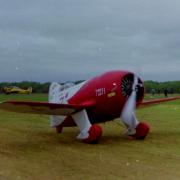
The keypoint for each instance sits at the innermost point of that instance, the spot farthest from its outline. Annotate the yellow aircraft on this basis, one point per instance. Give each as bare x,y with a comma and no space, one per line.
17,90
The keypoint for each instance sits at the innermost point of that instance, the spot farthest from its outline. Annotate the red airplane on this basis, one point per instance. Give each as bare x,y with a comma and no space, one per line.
103,98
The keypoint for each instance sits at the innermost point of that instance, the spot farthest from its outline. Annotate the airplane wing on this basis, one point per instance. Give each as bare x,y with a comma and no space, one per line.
41,107
157,101
61,109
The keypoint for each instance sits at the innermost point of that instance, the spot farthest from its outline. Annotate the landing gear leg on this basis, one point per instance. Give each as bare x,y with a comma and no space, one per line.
88,133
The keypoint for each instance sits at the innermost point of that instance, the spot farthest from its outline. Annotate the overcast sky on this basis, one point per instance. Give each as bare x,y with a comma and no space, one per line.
61,40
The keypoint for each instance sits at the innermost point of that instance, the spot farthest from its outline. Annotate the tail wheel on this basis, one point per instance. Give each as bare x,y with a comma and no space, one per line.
59,128
95,133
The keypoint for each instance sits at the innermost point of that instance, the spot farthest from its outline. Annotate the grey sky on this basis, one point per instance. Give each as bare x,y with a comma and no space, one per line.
60,40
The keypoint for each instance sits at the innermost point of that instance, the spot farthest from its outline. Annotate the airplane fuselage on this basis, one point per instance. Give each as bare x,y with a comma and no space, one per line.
103,94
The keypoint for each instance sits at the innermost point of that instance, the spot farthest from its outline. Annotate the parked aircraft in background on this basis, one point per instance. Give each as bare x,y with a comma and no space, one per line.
16,90
103,98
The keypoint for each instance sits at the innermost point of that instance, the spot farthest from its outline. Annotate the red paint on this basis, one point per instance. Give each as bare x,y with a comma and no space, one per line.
142,130
95,133
103,108
68,122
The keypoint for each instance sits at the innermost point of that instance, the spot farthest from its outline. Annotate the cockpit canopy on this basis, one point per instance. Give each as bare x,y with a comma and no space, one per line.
66,86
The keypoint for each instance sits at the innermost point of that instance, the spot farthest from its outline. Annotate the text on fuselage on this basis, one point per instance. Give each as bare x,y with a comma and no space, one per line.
100,91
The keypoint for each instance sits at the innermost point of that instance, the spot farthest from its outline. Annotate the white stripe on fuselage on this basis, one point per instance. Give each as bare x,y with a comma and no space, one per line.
56,95
65,95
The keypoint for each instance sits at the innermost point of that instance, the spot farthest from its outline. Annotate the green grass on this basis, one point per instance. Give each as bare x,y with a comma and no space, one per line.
30,149
25,97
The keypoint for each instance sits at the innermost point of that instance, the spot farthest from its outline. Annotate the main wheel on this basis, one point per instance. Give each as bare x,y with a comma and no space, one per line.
142,130
95,133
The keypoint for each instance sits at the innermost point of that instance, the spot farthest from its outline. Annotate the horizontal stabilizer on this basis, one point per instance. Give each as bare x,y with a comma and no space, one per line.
40,107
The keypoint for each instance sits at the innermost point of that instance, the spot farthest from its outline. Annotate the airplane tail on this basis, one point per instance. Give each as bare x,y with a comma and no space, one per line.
54,90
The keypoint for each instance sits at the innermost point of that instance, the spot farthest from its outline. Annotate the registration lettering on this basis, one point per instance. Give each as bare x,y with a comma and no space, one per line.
100,91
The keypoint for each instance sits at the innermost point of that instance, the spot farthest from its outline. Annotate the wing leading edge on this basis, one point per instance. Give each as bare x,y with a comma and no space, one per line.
41,107
157,101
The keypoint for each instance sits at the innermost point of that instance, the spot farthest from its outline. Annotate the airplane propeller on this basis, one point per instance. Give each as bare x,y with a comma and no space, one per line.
128,113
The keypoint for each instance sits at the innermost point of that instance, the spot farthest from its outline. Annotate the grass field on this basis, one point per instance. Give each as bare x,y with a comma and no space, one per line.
30,149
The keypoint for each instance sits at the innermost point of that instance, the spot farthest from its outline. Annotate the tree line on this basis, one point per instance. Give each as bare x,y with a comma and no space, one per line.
158,87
